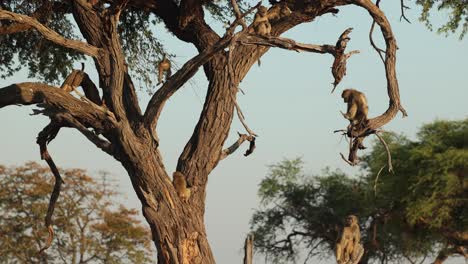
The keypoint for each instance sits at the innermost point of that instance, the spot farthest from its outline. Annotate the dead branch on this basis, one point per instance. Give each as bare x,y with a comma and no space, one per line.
347,161
54,101
371,39
231,149
377,180
51,35
284,43
339,63
403,7
387,149
358,133
44,137
251,148
390,62
242,118
104,145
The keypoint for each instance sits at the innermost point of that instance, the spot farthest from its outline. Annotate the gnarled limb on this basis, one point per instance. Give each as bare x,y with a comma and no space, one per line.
55,101
44,137
360,131
50,34
242,138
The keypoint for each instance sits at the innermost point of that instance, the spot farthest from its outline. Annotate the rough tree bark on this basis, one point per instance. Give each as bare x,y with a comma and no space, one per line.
130,136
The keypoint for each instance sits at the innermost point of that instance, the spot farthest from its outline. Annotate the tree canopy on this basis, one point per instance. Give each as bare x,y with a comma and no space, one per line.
90,226
416,212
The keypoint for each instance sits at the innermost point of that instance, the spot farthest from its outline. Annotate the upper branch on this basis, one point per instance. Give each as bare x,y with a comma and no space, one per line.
390,62
50,34
285,43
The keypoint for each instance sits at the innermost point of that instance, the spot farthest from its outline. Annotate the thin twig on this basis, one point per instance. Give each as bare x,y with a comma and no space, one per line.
347,161
376,48
377,179
242,118
389,155
403,7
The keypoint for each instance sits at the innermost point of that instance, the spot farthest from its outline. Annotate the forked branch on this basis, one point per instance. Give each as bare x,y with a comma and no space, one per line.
49,34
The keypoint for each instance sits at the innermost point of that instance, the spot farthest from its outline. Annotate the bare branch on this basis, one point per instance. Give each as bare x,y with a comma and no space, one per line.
284,43
231,149
44,137
371,39
104,145
54,101
389,155
242,118
377,180
341,59
50,34
390,62
403,7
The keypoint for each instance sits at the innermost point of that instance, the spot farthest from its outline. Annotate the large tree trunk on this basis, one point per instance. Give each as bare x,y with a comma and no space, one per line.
178,227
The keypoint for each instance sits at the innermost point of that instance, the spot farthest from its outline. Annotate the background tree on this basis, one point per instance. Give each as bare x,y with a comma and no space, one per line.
39,35
415,212
90,227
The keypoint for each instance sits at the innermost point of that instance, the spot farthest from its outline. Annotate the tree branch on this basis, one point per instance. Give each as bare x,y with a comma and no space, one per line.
284,43
55,101
242,138
44,137
104,145
390,61
50,34
371,39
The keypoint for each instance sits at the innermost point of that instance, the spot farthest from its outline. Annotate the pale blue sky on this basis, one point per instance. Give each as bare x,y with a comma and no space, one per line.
287,103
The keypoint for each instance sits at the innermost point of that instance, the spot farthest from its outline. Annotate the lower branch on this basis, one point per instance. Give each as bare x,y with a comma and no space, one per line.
44,137
389,155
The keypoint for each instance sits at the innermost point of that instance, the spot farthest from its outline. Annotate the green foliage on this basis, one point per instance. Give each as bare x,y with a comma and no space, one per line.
416,210
302,213
457,14
87,226
143,50
43,59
